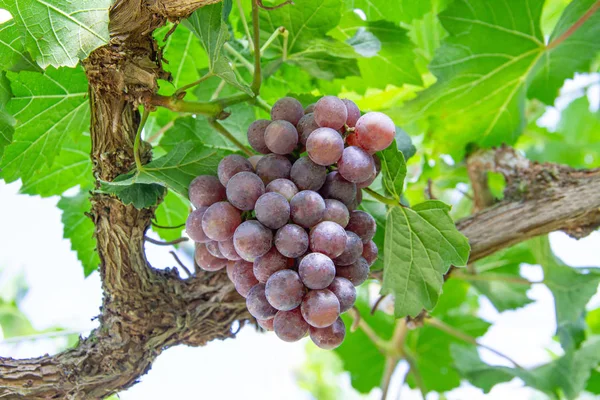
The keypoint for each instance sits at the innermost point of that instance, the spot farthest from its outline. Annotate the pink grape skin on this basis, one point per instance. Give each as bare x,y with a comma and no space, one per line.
352,140
307,175
325,146
356,273
338,188
229,268
254,160
243,278
370,252
231,165
288,109
367,182
213,248
353,250
320,308
330,337
205,191
228,250
207,261
336,211
291,241
285,290
272,210
243,189
305,127
256,135
273,166
290,326
269,263
284,187
356,165
316,271
375,131
266,324
252,239
328,238
220,221
344,291
363,224
356,201
353,112
330,112
281,137
257,303
193,226
310,108
307,208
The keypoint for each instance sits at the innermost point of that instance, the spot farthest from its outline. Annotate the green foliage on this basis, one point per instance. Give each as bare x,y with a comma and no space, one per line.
173,211
393,168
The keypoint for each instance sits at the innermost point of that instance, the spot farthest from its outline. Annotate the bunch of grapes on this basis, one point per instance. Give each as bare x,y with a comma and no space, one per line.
285,224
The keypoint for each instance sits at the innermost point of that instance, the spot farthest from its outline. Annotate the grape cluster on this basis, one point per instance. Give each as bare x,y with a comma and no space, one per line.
284,223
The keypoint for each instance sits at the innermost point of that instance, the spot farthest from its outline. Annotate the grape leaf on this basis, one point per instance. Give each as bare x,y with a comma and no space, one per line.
140,195
173,211
420,245
79,229
394,11
393,168
7,122
574,53
14,56
13,322
60,32
175,170
48,107
404,144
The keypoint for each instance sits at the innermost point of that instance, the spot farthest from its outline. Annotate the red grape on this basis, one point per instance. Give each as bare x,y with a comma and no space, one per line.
316,271
291,241
256,135
307,208
352,140
330,337
254,160
207,261
310,108
353,112
288,109
363,224
356,201
336,187
328,238
272,210
243,189
370,252
213,248
356,165
344,291
320,308
324,146
356,273
337,212
353,250
330,112
375,131
307,175
281,137
231,165
266,324
273,166
243,278
257,303
220,221
228,250
205,191
252,239
193,226
269,263
284,187
306,126
284,290
290,326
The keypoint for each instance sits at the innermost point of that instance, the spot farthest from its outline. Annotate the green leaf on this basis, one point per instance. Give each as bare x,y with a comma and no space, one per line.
568,51
13,322
14,56
173,211
393,168
140,195
394,11
404,143
7,122
175,170
60,32
420,245
79,228
48,107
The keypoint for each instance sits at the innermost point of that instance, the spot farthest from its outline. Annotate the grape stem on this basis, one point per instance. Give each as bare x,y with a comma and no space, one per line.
191,85
214,108
181,264
414,370
381,344
285,3
262,104
245,23
169,243
138,140
257,78
223,131
271,39
168,227
382,199
240,57
160,132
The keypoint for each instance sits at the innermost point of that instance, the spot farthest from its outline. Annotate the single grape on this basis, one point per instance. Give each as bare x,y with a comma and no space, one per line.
363,224
256,135
375,131
269,263
243,278
356,165
352,140
306,126
230,267
243,189
338,188
328,238
353,112
291,241
356,201
254,160
257,303
307,208
272,210
336,211
324,146
231,165
285,290
316,271
353,250
205,191
220,221
284,187
281,137
252,239
367,182
227,248
290,326
330,112
307,175
320,308
330,337
273,166
207,261
356,273
310,108
344,291
213,248
377,161
266,324
288,109
370,252
193,226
